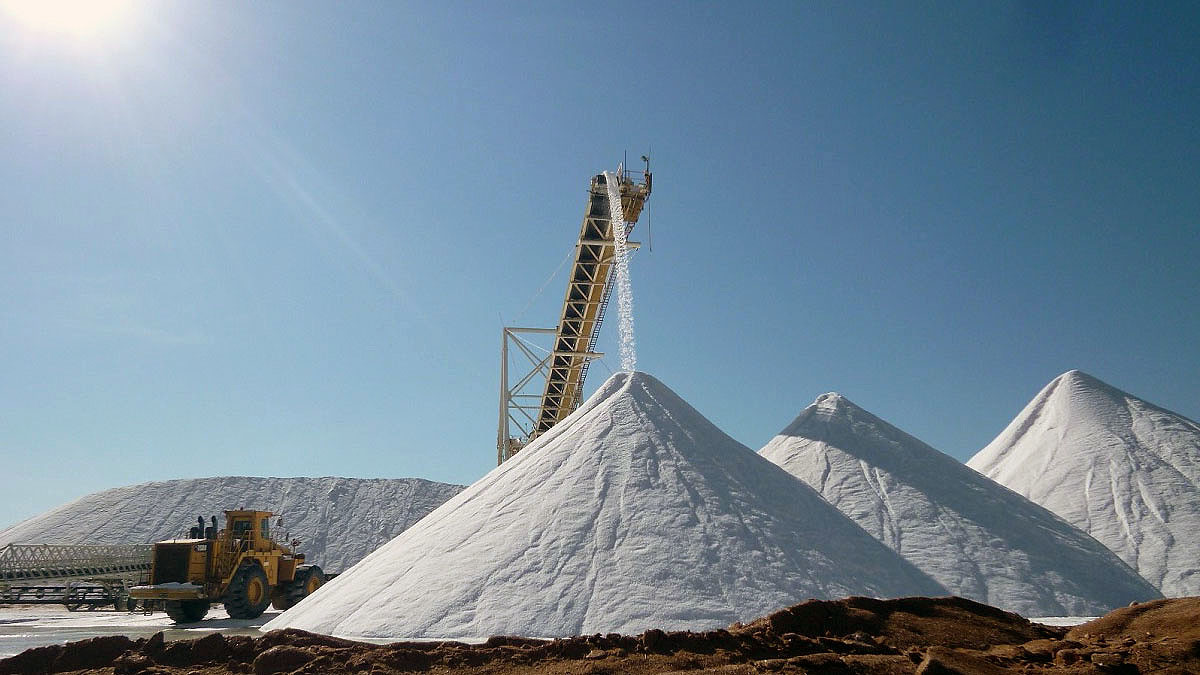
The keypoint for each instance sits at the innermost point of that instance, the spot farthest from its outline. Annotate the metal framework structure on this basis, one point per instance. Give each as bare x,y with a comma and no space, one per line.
589,288
74,575
519,405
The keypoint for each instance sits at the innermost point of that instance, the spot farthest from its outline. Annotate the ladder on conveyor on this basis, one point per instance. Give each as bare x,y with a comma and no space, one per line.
75,575
589,289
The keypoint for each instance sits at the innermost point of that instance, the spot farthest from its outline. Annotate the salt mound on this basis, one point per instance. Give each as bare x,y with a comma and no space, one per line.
635,512
338,520
1123,470
976,538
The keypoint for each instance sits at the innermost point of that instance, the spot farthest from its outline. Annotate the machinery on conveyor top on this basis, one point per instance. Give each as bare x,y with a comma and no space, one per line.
589,288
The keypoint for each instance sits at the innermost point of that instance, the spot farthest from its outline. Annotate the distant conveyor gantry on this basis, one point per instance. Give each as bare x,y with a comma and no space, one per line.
73,575
589,287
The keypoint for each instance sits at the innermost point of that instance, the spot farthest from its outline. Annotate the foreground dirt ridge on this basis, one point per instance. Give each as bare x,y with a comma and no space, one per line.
854,635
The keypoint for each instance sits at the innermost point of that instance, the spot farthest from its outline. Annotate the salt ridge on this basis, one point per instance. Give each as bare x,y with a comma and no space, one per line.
978,539
633,513
339,520
1123,470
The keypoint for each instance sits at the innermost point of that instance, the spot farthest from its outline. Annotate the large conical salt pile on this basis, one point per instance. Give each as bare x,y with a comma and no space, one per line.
633,513
1123,470
978,539
337,520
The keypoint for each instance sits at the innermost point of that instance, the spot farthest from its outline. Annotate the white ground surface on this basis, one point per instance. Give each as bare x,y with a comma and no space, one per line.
1062,620
1123,470
978,539
23,627
338,520
633,513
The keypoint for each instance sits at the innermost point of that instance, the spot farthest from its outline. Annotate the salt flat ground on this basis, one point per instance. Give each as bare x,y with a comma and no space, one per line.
26,626
1065,621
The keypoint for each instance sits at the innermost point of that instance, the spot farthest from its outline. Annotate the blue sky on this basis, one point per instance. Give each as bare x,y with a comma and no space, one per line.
280,238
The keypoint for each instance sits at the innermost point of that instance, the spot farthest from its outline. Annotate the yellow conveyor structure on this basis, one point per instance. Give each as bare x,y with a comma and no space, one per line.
589,288
588,291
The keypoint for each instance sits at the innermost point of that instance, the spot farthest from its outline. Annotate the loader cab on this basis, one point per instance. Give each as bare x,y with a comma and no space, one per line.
251,529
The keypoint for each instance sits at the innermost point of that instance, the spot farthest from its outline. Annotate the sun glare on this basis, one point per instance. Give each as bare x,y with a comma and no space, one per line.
76,18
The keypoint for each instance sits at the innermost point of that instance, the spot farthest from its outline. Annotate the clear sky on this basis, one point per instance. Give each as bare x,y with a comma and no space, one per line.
280,238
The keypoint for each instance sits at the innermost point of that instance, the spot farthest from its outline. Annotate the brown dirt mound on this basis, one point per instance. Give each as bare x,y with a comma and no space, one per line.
854,635
1152,633
1174,616
908,622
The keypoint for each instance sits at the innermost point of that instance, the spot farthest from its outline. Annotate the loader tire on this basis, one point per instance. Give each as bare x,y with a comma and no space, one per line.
308,579
187,611
249,593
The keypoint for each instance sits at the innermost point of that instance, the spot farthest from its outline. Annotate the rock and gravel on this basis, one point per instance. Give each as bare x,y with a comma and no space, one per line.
853,635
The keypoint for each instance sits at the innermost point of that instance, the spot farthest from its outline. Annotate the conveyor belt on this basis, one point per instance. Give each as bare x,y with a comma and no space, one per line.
588,291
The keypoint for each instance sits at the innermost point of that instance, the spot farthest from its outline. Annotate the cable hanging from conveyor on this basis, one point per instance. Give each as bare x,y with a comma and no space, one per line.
566,258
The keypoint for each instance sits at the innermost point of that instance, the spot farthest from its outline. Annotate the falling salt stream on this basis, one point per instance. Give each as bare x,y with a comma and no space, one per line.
621,262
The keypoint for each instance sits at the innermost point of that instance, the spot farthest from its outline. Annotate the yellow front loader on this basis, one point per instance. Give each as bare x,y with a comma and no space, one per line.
239,566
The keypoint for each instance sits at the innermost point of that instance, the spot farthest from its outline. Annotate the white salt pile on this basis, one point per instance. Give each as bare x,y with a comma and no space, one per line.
978,539
1123,470
633,513
338,520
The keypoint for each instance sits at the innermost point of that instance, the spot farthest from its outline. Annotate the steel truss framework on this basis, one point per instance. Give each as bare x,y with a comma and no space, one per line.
589,288
27,562
74,575
519,404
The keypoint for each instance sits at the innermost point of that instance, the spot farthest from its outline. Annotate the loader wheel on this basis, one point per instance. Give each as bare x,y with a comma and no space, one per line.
308,579
187,611
248,594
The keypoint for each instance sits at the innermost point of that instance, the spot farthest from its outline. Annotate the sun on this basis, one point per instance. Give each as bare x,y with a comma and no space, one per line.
75,18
